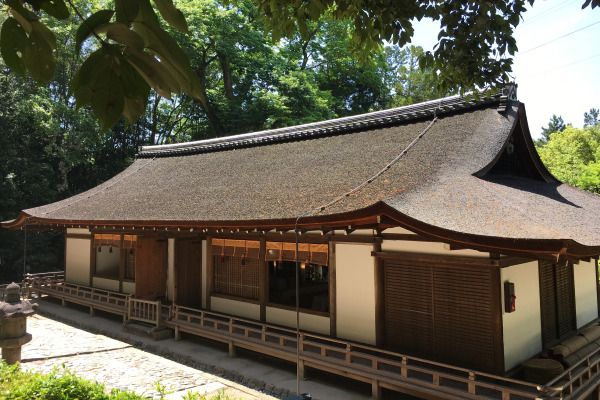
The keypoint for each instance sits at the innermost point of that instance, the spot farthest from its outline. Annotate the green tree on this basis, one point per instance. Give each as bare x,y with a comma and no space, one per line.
556,124
591,119
135,52
573,156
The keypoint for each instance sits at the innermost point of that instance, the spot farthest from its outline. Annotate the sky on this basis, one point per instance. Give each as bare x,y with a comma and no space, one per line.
557,67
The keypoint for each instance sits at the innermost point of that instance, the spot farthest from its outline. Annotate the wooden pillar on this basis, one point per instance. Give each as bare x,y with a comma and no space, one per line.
177,333
263,279
379,295
332,292
210,274
231,349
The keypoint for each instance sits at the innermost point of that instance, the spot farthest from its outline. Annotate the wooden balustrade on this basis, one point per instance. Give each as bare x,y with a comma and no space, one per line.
380,368
145,311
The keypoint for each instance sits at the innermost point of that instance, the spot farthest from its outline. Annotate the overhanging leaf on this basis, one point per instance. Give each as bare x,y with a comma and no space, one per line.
122,34
38,57
172,15
159,78
56,8
107,99
13,41
90,24
127,10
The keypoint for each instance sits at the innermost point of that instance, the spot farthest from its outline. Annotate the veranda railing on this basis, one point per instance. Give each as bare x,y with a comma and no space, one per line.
380,368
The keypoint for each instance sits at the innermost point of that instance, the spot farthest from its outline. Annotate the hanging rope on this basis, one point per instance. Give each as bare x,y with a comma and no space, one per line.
326,206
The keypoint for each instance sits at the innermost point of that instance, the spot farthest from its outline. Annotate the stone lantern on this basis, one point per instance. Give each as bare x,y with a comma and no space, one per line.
13,323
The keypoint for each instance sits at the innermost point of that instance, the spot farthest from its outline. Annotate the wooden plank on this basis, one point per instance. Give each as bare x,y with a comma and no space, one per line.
151,268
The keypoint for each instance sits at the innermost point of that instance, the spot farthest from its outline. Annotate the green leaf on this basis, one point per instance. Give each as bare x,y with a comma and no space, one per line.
147,14
89,25
172,15
56,8
133,109
127,10
153,72
13,40
122,34
172,56
107,100
86,74
38,56
134,86
44,33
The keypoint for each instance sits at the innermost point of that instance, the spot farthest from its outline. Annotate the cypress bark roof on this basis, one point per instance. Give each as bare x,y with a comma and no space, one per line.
447,181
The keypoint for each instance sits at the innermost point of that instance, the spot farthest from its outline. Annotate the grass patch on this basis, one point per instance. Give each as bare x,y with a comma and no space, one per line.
62,384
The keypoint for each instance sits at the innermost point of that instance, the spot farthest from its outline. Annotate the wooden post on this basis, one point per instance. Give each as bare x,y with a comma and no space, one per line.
62,302
379,295
332,292
472,383
177,333
210,274
375,390
263,279
92,311
231,349
301,370
403,368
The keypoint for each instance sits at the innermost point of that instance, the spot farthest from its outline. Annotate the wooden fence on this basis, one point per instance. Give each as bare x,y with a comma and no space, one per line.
380,368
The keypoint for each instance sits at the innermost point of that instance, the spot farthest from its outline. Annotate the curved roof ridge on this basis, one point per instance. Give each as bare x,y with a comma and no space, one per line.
321,128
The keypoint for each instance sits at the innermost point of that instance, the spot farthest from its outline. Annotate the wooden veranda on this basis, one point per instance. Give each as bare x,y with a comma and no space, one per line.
380,368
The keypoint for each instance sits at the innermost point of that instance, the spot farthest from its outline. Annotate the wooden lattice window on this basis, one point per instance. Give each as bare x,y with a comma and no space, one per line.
236,276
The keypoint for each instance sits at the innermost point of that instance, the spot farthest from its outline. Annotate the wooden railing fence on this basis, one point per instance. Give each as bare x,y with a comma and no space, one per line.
380,368
144,310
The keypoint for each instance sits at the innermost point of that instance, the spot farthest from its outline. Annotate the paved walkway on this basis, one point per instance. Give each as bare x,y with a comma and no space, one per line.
117,364
95,347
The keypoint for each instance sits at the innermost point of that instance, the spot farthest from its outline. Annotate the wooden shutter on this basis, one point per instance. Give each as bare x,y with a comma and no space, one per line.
557,301
442,312
409,307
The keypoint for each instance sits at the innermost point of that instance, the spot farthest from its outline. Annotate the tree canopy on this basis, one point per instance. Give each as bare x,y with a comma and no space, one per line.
573,154
135,50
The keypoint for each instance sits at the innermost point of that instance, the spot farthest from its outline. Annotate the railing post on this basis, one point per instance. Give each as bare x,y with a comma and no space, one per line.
301,370
348,355
404,368
472,389
375,390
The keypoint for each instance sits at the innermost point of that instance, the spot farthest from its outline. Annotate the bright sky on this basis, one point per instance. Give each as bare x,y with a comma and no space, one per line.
557,68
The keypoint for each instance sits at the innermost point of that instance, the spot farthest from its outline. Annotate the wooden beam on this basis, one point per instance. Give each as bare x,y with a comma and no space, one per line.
438,259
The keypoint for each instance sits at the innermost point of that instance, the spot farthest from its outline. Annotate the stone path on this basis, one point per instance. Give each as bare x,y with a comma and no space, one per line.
117,364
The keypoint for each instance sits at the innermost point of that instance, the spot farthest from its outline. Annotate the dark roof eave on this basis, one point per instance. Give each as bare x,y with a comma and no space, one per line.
559,247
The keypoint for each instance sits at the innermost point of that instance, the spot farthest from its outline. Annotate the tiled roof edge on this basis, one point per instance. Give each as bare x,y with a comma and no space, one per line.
323,128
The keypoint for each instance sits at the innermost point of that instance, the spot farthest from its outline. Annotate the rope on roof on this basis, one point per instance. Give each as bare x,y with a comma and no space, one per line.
374,177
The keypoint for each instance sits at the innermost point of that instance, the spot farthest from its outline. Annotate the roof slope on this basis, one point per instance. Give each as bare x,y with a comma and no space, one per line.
277,177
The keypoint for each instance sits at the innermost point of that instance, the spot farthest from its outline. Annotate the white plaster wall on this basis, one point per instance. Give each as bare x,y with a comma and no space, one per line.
77,261
308,322
204,273
78,231
355,292
170,268
522,329
106,284
234,307
586,300
428,248
129,287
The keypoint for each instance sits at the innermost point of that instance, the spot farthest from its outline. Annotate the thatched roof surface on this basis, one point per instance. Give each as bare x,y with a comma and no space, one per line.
433,183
